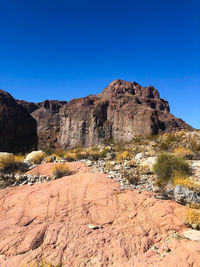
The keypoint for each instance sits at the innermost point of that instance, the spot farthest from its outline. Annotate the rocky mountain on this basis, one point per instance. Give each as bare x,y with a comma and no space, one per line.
18,130
123,110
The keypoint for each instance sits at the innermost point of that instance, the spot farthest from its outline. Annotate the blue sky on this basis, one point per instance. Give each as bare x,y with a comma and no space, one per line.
56,49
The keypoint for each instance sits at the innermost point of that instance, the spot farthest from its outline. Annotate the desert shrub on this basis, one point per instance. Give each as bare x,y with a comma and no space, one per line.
19,158
82,155
12,163
97,154
132,175
194,146
60,170
35,157
192,218
7,163
169,142
48,150
124,155
60,152
38,158
167,165
70,156
186,182
183,152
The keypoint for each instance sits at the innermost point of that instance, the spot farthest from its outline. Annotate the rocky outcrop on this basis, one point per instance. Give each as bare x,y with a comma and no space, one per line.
48,120
122,111
18,130
85,220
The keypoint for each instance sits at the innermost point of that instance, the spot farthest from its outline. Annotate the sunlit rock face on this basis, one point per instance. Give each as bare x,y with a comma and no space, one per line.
122,111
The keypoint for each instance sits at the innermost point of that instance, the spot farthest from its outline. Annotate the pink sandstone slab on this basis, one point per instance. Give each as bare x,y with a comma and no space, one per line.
50,221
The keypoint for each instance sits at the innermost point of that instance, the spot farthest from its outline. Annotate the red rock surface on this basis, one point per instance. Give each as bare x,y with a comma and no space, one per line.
50,221
46,168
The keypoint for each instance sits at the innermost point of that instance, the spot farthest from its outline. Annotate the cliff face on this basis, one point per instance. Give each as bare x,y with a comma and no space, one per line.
122,111
48,120
18,130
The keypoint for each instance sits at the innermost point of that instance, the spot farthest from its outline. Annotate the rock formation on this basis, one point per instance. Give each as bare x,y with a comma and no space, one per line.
18,130
48,120
123,110
85,220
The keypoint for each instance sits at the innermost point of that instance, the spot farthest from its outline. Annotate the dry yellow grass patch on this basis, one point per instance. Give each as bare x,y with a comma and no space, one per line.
183,152
186,182
192,218
60,170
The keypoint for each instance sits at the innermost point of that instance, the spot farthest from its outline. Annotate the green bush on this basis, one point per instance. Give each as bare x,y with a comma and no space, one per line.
167,165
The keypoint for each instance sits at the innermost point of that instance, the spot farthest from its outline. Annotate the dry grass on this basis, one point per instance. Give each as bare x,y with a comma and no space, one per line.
70,156
192,218
183,152
124,155
60,170
186,182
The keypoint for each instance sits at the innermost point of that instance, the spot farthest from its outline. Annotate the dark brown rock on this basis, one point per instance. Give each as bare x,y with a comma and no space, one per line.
18,130
48,120
122,111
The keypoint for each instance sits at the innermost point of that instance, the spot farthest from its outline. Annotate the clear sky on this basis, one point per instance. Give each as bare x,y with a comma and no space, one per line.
61,49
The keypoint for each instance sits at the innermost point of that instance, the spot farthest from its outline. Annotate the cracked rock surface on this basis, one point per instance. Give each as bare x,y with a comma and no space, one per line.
51,221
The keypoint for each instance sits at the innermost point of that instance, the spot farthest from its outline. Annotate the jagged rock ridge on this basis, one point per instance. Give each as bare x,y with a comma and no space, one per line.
18,129
123,110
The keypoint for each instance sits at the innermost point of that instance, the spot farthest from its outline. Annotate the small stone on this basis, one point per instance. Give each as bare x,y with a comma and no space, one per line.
88,163
94,227
193,235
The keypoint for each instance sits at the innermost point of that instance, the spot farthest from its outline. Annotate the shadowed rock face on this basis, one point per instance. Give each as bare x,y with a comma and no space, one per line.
122,111
18,130
48,120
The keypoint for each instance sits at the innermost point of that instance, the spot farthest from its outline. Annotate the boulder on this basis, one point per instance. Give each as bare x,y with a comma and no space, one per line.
185,195
192,235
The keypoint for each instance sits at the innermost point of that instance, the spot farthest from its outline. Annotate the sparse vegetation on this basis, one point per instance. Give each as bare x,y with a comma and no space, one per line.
167,166
183,152
192,218
124,155
12,163
60,170
186,182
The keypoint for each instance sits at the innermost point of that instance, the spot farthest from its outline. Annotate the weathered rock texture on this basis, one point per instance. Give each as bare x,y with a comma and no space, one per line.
48,120
120,112
18,130
52,221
